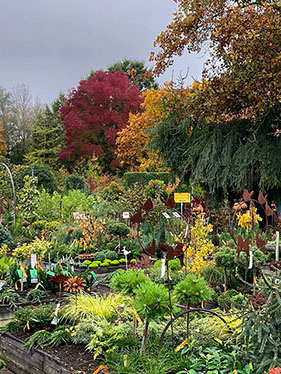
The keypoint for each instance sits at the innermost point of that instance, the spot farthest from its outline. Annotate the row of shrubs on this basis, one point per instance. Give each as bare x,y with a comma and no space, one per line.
106,262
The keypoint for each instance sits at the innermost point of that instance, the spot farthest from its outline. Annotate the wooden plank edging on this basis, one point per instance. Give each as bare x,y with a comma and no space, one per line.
20,361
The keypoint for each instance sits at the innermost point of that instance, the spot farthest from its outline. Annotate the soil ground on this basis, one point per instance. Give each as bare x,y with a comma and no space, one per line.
75,356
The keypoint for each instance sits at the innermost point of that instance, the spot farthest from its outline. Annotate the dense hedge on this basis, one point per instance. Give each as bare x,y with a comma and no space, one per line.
137,177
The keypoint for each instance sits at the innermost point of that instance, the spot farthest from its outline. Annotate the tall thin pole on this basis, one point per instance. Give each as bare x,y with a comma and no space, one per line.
14,191
277,246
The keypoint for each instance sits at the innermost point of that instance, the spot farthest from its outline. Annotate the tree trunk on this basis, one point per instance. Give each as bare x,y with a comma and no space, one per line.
144,337
134,327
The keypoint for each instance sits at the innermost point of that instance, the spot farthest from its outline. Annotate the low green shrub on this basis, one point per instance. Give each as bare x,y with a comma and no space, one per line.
105,337
99,256
11,327
45,177
87,262
83,332
10,298
35,317
128,281
118,229
111,255
94,265
6,237
35,295
75,182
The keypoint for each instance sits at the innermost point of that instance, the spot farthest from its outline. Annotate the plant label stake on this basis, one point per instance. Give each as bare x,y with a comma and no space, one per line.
250,260
55,320
277,246
33,260
163,267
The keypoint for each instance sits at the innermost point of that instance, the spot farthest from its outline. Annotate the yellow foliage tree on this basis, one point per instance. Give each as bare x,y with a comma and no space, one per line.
200,246
132,140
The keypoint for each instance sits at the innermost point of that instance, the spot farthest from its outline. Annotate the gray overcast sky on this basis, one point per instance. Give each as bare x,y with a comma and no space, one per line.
49,45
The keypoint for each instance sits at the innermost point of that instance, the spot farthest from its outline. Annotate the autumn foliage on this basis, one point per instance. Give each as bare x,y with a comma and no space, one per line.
94,113
132,141
242,78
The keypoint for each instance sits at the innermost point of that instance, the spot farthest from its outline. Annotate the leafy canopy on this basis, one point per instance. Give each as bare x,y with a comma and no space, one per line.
94,113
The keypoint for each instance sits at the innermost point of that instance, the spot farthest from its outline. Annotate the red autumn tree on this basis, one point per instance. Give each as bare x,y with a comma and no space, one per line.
95,112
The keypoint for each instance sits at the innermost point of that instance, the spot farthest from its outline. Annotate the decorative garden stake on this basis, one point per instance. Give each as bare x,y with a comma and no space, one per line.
125,252
247,217
75,285
59,279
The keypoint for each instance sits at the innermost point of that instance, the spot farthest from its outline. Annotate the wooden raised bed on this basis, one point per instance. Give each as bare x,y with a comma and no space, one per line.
19,361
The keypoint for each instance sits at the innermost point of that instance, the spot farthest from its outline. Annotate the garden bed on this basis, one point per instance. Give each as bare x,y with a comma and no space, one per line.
60,360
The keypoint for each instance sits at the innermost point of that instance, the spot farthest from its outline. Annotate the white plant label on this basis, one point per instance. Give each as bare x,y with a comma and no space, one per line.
251,260
33,260
126,215
166,215
79,216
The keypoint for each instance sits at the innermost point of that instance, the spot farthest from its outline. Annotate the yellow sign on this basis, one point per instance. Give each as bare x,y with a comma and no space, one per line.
183,197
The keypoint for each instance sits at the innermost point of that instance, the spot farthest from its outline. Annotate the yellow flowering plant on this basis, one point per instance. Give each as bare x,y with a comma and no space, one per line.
249,219
200,245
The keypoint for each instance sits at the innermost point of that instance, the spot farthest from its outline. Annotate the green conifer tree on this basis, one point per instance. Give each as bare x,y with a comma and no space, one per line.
48,136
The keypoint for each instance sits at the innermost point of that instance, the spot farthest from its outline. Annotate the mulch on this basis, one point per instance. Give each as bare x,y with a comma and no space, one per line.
75,357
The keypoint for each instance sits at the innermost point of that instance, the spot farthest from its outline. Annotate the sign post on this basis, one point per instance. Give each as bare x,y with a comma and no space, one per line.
183,197
126,216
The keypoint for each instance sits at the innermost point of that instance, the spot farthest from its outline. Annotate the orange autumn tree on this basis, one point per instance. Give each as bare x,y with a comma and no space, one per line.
3,146
243,73
132,141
